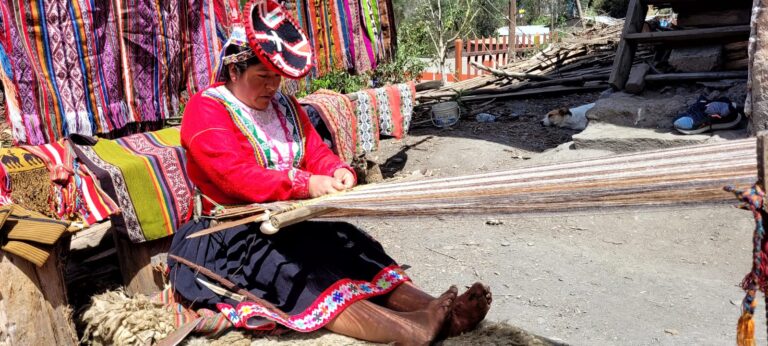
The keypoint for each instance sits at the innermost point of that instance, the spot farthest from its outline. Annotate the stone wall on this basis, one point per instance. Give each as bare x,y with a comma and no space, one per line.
757,98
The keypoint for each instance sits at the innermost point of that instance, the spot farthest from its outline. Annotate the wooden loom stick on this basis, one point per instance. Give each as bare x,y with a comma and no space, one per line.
293,217
224,225
284,216
228,284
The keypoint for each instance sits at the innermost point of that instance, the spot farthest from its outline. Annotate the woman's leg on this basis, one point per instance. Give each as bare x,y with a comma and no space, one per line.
407,297
367,321
468,310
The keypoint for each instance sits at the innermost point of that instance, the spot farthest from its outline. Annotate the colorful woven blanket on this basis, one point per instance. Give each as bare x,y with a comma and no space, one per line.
85,67
76,194
367,122
338,115
146,175
394,105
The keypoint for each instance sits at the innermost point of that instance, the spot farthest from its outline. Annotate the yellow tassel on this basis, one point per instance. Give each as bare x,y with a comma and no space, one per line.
745,332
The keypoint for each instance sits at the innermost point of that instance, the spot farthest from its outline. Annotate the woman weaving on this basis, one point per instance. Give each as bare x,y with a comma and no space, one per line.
247,143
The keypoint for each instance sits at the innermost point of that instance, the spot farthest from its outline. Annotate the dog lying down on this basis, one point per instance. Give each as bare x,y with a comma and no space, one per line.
574,118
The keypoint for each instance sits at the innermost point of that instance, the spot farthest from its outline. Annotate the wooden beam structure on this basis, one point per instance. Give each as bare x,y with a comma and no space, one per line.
696,76
139,275
736,32
625,53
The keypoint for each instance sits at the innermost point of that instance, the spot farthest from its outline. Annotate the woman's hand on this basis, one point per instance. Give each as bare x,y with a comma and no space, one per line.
344,178
320,185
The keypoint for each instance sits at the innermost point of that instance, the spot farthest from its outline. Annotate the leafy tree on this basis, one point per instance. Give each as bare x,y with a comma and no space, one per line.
441,22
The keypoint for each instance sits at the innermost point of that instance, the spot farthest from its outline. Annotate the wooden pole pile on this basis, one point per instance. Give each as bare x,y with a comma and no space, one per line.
581,62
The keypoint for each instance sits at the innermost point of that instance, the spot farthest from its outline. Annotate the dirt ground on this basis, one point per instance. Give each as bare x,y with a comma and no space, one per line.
667,277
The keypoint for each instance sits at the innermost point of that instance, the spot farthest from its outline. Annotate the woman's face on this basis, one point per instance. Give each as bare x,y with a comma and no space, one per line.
255,86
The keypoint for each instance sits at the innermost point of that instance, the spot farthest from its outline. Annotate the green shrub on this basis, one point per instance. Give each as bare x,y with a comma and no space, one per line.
339,81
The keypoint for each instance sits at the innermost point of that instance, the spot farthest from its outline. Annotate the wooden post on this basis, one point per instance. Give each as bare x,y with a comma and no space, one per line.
459,49
33,301
636,82
625,53
762,158
581,14
512,31
139,275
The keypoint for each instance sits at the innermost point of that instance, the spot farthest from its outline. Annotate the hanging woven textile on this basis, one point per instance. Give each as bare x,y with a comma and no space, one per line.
363,54
208,23
88,67
151,57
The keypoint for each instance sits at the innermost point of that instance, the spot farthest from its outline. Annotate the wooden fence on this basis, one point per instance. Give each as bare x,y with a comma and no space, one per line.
490,52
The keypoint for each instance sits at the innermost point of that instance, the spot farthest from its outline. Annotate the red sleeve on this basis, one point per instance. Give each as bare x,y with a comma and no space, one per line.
220,156
318,159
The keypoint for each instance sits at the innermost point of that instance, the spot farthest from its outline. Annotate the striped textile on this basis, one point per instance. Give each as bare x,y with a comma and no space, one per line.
5,187
208,25
213,323
146,175
94,67
683,177
117,67
28,234
338,115
76,194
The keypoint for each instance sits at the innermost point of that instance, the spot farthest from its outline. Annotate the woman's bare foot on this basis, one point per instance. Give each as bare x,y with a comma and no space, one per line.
469,310
432,319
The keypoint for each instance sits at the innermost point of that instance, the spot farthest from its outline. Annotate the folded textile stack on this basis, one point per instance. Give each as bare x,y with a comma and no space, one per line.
338,115
146,175
389,108
28,234
76,195
354,123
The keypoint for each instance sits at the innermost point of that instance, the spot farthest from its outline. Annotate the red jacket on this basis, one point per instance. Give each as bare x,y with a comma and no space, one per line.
222,164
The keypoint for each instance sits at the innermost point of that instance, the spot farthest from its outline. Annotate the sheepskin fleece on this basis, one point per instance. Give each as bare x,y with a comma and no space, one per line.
116,319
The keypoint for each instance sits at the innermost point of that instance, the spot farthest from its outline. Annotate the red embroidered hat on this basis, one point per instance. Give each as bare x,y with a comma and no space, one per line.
277,39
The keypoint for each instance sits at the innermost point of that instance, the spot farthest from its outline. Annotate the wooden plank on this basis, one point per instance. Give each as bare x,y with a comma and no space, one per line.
136,263
636,82
458,46
90,237
739,64
710,34
33,301
694,4
711,18
512,32
696,76
625,53
537,92
762,158
430,85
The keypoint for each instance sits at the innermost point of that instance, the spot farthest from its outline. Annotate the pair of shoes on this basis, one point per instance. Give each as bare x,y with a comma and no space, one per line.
706,115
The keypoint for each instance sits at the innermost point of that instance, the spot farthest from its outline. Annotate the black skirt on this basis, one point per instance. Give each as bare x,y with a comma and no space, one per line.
310,272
